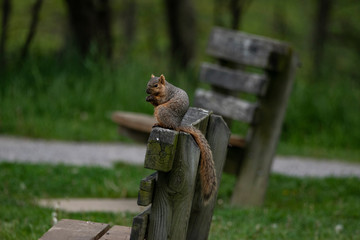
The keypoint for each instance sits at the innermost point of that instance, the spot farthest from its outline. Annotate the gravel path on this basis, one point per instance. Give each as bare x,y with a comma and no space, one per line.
13,149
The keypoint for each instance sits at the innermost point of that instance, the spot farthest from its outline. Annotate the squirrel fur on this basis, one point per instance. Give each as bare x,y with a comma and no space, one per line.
170,105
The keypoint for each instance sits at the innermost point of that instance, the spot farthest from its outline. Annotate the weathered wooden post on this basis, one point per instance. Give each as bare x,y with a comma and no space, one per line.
251,185
218,137
177,210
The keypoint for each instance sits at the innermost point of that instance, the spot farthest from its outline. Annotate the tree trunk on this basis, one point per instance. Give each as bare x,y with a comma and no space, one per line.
90,24
320,32
6,10
129,21
182,31
32,30
234,8
279,22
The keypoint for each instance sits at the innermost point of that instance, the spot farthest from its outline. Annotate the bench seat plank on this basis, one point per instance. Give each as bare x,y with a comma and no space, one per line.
227,106
231,79
117,233
75,229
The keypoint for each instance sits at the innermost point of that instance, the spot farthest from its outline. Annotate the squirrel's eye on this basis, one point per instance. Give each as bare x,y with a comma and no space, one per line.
155,85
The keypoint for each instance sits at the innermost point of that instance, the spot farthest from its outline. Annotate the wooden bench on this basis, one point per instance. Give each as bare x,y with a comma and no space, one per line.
265,69
260,67
176,210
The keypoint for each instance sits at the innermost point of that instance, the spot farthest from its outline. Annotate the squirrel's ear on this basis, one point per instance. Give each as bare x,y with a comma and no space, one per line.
152,75
162,79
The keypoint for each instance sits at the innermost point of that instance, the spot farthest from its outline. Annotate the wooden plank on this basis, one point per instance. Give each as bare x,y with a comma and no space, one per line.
136,126
174,192
161,149
201,215
140,225
237,141
75,229
253,177
137,121
247,49
148,183
147,186
234,80
117,233
197,117
227,106
194,116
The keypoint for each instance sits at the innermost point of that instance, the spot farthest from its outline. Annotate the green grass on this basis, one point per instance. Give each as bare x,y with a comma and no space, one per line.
73,100
295,208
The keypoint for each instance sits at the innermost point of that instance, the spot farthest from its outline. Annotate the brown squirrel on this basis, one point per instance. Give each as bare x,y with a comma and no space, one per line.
170,105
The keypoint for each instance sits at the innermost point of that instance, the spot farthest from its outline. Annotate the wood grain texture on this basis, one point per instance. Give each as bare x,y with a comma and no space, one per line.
161,149
174,192
234,80
117,233
75,229
147,186
201,215
140,225
197,117
247,49
227,106
253,177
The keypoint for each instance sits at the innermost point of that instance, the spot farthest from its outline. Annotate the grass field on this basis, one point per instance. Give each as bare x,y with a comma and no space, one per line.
68,100
295,208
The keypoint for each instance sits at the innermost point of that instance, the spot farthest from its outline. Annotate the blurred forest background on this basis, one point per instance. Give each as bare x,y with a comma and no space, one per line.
66,65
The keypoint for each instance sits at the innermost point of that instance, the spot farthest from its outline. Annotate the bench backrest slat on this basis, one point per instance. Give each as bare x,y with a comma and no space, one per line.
231,79
226,106
247,49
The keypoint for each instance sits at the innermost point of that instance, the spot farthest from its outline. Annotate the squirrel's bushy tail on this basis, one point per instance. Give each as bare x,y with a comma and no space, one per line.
207,167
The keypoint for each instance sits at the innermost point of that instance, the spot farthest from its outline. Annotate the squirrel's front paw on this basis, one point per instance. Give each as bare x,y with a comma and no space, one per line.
149,98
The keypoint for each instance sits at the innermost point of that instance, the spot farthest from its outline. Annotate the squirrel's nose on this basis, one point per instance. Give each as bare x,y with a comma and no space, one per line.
148,91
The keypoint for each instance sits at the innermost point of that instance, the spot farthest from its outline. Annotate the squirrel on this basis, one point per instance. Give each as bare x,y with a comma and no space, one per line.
170,105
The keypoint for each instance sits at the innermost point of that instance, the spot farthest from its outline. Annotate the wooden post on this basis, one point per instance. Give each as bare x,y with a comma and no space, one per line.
177,161
200,219
174,193
251,185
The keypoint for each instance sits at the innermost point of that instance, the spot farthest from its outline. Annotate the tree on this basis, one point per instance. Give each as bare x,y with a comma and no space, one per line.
90,25
6,10
128,19
320,31
229,13
182,31
32,30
